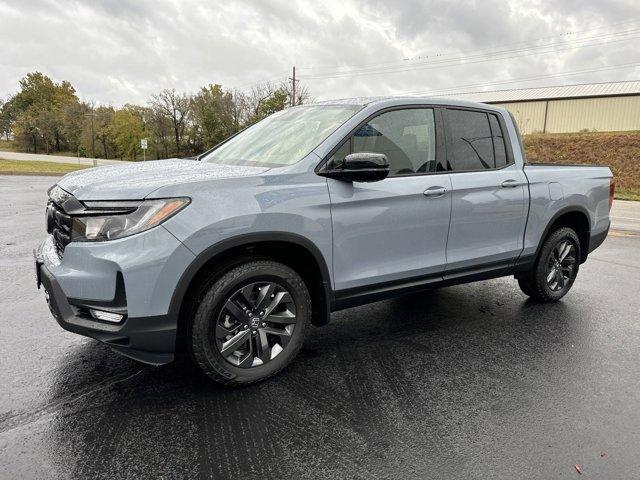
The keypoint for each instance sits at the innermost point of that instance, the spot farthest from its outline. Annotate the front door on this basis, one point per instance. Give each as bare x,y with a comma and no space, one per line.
395,229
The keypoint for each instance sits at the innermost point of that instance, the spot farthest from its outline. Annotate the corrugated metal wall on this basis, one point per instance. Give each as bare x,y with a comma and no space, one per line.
606,114
529,115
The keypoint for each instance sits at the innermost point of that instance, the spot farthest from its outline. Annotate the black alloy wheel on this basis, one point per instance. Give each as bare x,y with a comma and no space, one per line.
249,322
560,266
255,324
555,269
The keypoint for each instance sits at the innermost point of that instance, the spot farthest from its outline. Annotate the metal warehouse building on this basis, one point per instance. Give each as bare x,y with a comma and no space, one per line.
602,107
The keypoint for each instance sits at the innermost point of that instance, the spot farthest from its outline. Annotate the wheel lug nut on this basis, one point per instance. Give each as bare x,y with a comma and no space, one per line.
254,333
246,326
264,324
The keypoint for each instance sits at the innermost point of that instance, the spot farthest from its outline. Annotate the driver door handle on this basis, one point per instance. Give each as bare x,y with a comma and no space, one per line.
511,183
434,192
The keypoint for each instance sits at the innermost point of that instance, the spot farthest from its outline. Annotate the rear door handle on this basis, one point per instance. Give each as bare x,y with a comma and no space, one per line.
511,183
434,192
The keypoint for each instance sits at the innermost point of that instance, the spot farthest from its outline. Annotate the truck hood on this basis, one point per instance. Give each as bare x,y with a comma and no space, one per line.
134,181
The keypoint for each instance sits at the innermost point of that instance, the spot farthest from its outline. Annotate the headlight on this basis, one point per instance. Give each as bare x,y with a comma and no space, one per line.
113,220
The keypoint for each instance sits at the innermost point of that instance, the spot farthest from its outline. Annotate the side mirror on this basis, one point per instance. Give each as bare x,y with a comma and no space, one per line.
360,167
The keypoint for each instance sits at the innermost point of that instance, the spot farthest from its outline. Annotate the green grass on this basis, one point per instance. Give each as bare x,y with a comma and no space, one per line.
28,167
8,146
628,194
12,146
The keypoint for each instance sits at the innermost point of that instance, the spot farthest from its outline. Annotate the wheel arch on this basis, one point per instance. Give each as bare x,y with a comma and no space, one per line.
575,217
290,249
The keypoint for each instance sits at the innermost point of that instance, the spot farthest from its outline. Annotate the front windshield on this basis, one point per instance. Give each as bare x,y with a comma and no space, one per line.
283,138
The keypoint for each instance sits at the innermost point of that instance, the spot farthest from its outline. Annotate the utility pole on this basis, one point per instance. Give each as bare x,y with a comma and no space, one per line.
293,87
93,138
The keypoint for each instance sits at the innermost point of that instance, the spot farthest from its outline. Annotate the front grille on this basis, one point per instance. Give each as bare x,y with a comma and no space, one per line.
59,226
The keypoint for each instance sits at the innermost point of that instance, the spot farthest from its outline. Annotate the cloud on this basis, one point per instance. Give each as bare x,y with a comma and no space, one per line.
124,51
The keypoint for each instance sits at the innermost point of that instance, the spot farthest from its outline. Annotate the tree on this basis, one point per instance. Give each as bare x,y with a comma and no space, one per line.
103,121
26,130
160,129
126,130
75,127
176,107
241,110
47,116
38,108
302,93
213,113
7,118
265,99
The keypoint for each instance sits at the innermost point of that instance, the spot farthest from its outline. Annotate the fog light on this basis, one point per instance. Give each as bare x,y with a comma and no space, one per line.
106,316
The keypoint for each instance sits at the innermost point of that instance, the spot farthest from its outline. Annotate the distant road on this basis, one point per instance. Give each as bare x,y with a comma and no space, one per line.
56,158
625,215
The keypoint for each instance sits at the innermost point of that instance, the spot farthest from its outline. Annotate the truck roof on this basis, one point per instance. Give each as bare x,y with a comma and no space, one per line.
404,100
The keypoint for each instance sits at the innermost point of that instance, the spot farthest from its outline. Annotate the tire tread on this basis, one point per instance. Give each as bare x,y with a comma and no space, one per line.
206,303
534,282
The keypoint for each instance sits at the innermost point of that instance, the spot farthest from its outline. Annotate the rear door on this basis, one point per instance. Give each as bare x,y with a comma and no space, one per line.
394,229
488,212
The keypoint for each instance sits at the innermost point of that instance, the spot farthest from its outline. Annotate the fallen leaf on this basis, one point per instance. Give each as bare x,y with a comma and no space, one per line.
578,469
603,454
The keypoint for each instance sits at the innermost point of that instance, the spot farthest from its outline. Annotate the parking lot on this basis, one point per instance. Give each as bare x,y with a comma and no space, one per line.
472,381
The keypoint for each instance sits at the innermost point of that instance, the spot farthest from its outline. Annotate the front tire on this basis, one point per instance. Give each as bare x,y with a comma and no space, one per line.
555,269
250,322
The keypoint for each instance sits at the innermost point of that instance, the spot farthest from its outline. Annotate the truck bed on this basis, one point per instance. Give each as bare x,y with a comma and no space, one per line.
555,188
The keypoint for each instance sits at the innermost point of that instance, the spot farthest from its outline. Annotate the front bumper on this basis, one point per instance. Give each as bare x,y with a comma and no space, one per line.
146,339
135,276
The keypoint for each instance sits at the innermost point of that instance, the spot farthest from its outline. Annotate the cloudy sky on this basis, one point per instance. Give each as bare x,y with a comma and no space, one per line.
119,51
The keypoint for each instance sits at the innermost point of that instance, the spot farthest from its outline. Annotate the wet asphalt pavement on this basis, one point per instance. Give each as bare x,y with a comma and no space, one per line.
466,382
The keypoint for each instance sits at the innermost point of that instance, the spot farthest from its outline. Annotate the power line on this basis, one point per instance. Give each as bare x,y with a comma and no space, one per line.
246,86
472,59
564,34
400,62
515,53
452,90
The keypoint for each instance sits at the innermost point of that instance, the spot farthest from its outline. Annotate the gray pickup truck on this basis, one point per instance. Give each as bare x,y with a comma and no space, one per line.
314,209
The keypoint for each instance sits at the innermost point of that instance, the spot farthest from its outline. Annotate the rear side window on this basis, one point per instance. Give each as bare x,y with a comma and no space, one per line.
476,141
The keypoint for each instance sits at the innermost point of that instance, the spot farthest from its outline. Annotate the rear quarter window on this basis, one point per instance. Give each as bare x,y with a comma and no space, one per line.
519,135
499,149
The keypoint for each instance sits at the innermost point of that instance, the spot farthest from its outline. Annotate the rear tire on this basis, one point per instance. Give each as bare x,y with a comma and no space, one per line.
556,268
525,285
250,322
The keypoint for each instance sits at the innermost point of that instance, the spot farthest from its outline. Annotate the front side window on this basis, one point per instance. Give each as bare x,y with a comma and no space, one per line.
407,138
283,138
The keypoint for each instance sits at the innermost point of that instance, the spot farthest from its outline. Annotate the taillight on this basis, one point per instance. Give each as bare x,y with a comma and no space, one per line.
612,189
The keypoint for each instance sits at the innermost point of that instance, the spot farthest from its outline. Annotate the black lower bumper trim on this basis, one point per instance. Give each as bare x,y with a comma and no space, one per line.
146,339
596,240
